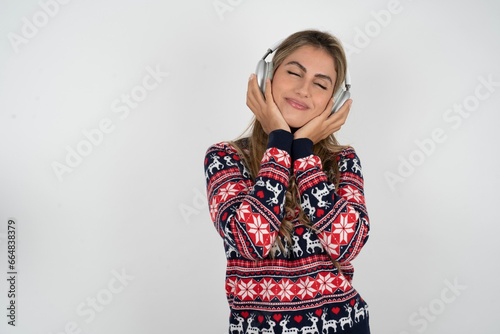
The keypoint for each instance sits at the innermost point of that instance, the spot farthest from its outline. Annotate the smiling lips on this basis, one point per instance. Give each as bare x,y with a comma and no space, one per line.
297,104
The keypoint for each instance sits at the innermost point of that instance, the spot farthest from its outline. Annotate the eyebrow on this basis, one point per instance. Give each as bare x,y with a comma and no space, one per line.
319,75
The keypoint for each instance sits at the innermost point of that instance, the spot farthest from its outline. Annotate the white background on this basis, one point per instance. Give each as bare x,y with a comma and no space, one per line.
135,203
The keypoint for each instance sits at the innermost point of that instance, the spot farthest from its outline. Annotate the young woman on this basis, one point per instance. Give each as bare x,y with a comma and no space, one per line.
288,200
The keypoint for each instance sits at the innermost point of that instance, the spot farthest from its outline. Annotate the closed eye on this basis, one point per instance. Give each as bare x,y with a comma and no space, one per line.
293,73
321,86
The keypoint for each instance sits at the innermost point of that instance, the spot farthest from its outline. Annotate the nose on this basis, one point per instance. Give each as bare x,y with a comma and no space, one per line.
302,88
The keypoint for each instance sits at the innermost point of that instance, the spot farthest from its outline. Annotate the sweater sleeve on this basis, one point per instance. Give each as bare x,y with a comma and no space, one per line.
247,213
339,216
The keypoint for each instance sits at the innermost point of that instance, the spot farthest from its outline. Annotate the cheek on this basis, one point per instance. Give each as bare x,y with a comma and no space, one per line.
277,84
322,103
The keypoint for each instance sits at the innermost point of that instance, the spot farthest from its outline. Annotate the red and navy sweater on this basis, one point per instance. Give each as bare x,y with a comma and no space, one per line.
299,289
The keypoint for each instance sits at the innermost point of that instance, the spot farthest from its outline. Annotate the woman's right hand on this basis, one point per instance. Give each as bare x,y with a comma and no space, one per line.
265,110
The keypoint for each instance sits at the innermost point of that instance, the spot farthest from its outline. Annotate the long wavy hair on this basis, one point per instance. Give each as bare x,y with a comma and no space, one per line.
252,146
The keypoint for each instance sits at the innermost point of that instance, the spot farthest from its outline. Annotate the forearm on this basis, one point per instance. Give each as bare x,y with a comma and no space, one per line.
247,213
338,216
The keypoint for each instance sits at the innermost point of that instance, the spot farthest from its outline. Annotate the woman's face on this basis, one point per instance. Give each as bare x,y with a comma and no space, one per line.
303,84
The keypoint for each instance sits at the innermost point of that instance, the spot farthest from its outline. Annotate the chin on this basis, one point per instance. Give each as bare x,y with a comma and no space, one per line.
294,123
295,126
296,120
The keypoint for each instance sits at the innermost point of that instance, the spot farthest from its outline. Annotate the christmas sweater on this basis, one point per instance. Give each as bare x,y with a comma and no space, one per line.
298,289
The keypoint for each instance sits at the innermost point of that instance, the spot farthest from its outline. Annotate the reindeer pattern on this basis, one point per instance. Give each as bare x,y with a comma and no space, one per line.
308,307
324,320
316,201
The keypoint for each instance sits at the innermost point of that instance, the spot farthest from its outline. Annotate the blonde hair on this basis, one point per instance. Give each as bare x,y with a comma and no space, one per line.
252,148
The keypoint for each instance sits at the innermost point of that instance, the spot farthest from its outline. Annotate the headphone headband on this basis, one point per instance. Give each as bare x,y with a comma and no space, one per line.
273,48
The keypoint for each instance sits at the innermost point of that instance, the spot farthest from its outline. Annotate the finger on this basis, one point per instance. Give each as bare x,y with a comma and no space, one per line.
249,88
252,83
255,101
268,91
341,116
347,105
328,110
336,120
256,92
342,112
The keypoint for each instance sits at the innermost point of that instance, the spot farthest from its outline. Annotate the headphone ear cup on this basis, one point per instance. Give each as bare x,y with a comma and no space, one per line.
339,100
263,71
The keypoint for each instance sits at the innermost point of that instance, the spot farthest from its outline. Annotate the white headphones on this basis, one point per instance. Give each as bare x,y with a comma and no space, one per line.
264,70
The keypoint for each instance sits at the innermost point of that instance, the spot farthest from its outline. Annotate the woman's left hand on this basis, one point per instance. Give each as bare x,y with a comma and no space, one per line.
324,124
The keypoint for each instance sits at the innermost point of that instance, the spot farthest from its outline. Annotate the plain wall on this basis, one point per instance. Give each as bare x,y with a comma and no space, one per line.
118,239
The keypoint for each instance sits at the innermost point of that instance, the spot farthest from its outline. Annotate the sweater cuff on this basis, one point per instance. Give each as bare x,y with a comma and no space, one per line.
280,139
301,148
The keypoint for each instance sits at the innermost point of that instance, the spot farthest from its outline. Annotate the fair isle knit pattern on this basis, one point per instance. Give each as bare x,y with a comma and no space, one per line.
299,290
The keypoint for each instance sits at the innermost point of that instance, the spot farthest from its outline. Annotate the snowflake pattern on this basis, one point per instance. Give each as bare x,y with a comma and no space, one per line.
231,285
248,224
330,243
344,225
307,287
342,283
285,290
352,194
306,162
214,207
229,190
246,289
258,228
280,156
286,294
244,212
268,289
326,283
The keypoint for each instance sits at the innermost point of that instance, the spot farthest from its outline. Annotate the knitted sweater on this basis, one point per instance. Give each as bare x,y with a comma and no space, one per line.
298,289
